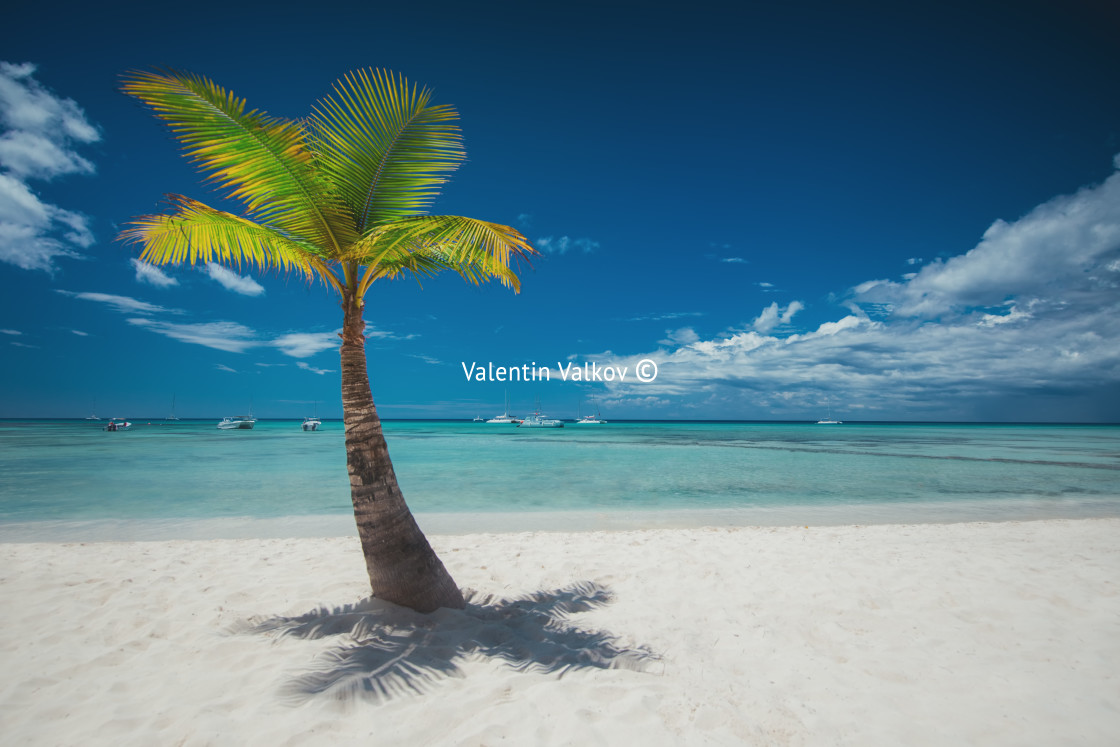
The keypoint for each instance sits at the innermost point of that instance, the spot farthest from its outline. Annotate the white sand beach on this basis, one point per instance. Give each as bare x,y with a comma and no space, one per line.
939,634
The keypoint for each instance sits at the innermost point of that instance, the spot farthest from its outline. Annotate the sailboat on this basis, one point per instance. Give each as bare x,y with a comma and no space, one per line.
172,415
505,417
590,419
829,420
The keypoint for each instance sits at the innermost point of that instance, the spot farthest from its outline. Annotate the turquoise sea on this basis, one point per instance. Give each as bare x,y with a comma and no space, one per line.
70,480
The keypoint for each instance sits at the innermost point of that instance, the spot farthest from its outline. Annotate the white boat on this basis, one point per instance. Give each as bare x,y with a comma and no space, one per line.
117,424
829,420
591,419
478,419
537,420
238,422
505,417
172,415
311,424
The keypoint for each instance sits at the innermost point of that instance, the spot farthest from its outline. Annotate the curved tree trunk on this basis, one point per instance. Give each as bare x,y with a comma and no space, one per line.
402,566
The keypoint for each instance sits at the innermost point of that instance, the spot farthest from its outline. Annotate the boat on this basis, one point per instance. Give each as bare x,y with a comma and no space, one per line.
505,417
238,423
172,415
478,419
117,424
590,419
311,424
537,420
829,420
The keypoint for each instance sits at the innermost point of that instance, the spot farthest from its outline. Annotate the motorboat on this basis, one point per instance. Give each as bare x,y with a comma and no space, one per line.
311,424
237,423
537,420
117,424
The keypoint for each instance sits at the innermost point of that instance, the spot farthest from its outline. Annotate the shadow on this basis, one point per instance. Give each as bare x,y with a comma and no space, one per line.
388,650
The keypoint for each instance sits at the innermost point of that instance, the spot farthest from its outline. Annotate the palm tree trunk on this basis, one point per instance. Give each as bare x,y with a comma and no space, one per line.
402,566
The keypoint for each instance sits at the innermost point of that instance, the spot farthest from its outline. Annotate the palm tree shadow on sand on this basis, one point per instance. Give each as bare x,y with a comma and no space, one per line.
388,650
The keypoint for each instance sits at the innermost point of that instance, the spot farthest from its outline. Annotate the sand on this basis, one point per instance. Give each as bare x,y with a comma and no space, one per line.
940,634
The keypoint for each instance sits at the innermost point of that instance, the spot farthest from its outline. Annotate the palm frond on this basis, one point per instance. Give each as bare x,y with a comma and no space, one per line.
196,232
261,160
478,250
384,149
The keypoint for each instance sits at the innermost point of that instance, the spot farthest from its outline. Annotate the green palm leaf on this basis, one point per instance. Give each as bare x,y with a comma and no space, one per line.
381,145
263,161
196,232
478,250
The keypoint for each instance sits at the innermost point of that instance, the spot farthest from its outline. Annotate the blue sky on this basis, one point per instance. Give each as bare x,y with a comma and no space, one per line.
901,211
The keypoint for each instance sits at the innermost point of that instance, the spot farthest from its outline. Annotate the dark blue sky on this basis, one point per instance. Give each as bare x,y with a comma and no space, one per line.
909,212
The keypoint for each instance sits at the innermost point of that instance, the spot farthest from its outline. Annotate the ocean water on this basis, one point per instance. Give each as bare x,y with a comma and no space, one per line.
71,480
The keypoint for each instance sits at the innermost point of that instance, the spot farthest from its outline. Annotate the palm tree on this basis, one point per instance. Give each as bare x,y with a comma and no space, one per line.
340,197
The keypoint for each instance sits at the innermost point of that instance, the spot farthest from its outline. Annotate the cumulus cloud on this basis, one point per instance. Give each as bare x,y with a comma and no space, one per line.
682,336
773,316
1028,318
152,275
231,281
41,132
1064,249
561,245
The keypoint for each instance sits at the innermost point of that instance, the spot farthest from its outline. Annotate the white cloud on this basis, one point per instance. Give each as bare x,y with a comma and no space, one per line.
734,260
306,344
227,336
152,275
561,244
1025,325
312,369
123,304
40,133
222,367
773,315
682,336
231,281
1064,247
10,332
80,333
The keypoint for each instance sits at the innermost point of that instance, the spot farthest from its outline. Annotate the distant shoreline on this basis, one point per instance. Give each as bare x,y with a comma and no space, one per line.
141,420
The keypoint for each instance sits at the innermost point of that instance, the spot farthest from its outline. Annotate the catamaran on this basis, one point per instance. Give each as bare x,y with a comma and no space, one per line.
505,417
590,419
